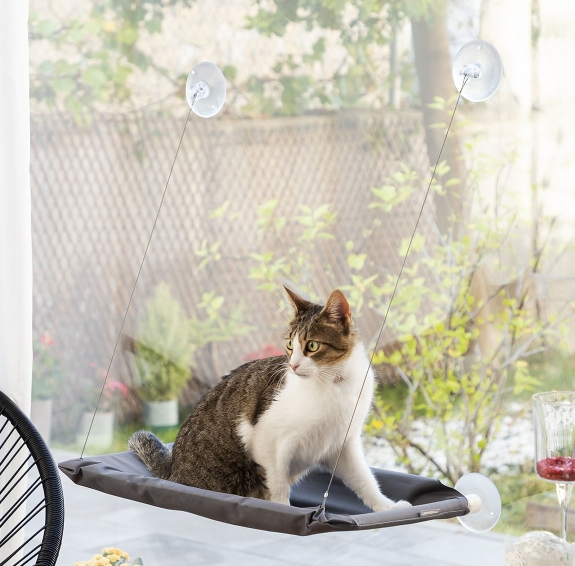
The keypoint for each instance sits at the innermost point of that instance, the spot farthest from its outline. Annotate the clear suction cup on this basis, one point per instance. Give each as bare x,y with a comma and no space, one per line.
484,502
206,89
480,62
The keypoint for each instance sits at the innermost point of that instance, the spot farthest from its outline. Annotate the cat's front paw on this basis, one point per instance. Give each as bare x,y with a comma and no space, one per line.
282,500
401,504
388,504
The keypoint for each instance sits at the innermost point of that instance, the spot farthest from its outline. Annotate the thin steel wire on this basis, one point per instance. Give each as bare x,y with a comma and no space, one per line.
136,281
326,494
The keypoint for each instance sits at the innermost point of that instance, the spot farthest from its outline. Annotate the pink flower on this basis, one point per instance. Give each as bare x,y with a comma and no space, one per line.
113,386
46,340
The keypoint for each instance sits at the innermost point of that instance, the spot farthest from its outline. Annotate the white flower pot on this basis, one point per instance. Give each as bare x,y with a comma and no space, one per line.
161,413
41,416
102,433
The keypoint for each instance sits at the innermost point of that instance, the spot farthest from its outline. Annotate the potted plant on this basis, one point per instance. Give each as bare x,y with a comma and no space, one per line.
46,379
101,435
163,357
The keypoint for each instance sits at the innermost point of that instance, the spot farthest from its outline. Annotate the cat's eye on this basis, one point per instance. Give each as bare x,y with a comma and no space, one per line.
289,344
312,346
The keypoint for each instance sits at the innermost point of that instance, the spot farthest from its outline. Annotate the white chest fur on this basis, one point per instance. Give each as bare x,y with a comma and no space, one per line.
306,424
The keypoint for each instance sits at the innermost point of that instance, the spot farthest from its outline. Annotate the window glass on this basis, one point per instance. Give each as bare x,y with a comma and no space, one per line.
327,168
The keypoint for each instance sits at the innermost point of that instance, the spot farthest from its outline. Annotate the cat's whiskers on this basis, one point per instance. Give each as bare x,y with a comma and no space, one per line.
332,372
334,376
276,375
278,372
326,383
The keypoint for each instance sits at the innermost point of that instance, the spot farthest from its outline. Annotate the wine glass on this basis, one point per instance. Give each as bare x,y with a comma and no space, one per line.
554,416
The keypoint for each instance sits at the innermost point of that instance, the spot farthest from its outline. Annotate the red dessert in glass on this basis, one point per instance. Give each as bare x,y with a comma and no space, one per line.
561,469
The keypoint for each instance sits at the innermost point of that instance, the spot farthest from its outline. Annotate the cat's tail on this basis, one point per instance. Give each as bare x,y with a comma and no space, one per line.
153,452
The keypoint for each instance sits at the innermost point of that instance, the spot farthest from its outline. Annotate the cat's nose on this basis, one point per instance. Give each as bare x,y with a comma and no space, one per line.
294,366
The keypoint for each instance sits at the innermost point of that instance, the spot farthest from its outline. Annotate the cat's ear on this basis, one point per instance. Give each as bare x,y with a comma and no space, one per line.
337,308
298,303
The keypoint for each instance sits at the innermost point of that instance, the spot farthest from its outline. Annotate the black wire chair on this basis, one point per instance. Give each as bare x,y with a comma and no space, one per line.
27,512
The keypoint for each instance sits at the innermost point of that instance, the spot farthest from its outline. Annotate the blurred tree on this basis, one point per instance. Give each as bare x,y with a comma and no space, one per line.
363,27
363,73
90,57
433,63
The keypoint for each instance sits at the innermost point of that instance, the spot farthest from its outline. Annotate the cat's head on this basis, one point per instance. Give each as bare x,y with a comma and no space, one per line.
319,338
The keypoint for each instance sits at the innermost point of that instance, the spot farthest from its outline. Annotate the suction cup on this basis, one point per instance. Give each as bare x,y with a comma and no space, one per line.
480,62
206,89
484,502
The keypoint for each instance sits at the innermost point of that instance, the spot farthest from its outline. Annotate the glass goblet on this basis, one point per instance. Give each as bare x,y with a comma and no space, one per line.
554,420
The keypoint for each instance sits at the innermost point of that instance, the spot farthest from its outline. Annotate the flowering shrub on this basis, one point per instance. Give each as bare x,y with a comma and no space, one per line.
113,392
110,557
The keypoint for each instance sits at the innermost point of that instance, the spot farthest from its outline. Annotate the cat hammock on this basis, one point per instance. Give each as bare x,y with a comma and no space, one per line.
124,475
477,74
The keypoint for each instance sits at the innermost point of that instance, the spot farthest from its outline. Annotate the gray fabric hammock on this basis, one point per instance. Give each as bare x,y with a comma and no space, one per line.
124,475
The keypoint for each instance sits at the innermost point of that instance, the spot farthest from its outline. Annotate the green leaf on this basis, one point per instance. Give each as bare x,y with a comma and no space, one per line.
75,35
94,77
47,28
121,74
385,193
216,303
395,358
319,47
141,60
127,35
220,211
63,67
64,84
155,24
230,72
356,261
93,27
417,244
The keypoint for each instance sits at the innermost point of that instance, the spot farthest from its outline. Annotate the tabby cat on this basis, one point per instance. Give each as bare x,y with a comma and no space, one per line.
271,421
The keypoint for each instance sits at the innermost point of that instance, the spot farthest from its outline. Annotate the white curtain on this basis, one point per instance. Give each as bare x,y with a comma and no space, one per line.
15,232
15,207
